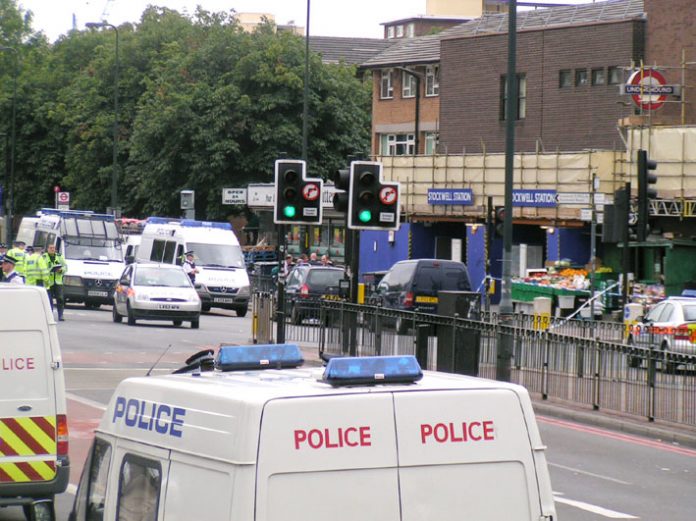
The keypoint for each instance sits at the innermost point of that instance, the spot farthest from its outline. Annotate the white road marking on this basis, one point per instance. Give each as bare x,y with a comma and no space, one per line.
85,401
591,474
605,512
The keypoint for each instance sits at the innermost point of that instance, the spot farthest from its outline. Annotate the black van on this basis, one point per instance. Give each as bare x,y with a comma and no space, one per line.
413,285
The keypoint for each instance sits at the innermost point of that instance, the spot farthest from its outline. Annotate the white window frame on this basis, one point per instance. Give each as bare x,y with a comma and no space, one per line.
399,31
398,144
390,31
432,80
408,85
430,143
386,85
410,30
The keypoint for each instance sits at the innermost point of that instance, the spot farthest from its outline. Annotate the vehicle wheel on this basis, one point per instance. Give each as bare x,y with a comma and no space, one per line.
131,316
195,324
115,315
40,511
177,322
205,307
241,312
295,317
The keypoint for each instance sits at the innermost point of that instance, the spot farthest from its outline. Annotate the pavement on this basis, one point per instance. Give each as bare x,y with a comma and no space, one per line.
668,433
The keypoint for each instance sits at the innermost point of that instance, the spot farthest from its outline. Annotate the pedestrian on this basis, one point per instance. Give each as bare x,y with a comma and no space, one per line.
303,259
17,253
10,276
3,250
34,267
190,266
314,258
55,268
325,261
288,264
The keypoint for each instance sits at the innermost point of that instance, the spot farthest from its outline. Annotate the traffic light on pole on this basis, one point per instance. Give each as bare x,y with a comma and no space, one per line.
372,203
645,192
342,183
499,220
297,198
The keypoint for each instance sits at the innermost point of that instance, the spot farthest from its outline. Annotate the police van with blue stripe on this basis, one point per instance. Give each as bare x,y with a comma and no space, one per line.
250,433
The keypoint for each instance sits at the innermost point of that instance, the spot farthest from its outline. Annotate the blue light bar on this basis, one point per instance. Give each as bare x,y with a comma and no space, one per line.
688,293
161,220
261,356
191,223
85,214
372,370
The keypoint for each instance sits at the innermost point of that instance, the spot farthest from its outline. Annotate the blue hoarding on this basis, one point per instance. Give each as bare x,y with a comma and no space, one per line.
460,196
538,198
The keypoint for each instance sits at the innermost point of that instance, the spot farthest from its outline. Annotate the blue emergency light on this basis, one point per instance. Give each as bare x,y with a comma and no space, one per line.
688,293
372,370
191,223
261,356
161,220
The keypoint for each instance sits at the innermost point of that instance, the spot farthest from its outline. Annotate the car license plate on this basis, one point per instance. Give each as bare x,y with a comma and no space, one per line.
97,293
426,300
219,300
167,306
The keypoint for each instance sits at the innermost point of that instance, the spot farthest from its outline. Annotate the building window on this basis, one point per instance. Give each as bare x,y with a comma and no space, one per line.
408,85
410,30
598,77
432,80
614,75
399,31
387,86
521,96
581,77
430,143
565,79
390,31
397,144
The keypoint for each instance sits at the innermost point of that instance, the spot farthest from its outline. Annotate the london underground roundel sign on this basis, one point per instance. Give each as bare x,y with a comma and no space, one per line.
648,88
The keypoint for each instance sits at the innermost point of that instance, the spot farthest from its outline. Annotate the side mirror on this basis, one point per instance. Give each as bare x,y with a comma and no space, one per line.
130,259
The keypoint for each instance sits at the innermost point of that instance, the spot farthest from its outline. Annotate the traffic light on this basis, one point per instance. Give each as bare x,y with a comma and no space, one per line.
342,183
645,192
298,198
616,218
372,204
499,221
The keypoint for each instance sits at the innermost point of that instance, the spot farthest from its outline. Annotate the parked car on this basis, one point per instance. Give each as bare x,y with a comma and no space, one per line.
413,285
306,285
670,325
155,291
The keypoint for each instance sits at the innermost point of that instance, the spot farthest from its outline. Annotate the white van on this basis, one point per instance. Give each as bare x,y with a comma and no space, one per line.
222,280
34,463
92,247
365,438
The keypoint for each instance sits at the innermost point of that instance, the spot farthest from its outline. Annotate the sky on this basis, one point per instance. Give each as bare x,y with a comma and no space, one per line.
357,18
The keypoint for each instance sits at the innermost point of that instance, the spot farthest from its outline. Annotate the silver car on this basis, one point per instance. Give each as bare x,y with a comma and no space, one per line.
151,291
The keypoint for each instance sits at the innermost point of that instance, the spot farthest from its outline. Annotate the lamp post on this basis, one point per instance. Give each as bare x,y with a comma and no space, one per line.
114,171
13,140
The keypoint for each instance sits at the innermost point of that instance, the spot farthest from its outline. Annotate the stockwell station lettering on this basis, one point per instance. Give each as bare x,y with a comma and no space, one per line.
537,198
460,196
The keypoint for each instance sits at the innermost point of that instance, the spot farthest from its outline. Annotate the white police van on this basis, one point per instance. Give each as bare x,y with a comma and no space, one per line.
91,245
222,280
34,463
364,438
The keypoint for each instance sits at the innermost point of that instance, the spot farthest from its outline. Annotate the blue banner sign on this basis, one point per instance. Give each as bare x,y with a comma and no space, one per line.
461,196
538,198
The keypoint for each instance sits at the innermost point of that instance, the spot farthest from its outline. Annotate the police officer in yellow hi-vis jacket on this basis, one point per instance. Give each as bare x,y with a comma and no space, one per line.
34,266
17,253
55,268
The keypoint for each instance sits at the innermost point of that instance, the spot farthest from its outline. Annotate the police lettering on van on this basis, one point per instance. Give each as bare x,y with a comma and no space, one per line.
260,437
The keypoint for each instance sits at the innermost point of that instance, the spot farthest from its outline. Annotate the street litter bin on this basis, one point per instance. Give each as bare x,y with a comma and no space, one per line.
458,347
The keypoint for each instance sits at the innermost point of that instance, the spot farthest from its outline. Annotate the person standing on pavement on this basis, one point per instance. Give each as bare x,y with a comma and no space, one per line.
190,266
17,253
34,271
3,250
55,268
10,276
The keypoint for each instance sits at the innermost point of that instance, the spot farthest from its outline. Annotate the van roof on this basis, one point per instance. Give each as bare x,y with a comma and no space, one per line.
223,410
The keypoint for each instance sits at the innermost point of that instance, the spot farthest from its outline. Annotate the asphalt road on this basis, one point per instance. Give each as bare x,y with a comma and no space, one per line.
596,473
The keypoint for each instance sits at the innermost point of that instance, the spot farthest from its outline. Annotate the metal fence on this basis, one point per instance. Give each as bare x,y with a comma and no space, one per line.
575,361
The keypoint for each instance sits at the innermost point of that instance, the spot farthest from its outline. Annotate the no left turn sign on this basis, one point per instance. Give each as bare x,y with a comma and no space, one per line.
387,195
311,192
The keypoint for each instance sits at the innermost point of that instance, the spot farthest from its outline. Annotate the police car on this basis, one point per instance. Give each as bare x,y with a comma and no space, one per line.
153,291
250,433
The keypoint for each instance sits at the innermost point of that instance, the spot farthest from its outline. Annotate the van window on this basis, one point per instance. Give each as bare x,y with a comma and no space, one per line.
427,278
324,278
399,276
157,253
169,250
91,496
138,489
455,278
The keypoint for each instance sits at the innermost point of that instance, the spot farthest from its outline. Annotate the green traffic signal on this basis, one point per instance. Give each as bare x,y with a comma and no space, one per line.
289,211
365,216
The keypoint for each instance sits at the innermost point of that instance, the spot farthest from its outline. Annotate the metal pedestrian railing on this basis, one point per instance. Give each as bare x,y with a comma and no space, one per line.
582,362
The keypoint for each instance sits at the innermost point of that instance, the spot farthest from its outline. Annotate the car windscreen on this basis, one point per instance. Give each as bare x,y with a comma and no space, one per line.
217,255
455,279
427,279
690,313
93,248
320,279
398,277
166,277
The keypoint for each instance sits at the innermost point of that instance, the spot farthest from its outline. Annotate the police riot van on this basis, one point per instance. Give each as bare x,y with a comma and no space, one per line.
34,464
92,247
222,280
252,435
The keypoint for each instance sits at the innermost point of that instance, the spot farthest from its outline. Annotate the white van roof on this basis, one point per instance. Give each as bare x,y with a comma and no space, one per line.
218,414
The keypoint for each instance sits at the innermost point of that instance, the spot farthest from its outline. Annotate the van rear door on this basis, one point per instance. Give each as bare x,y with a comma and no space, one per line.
468,457
28,400
329,457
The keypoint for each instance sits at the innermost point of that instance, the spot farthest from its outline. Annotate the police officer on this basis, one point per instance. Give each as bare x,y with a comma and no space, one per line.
10,275
34,267
54,267
3,250
17,253
190,266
